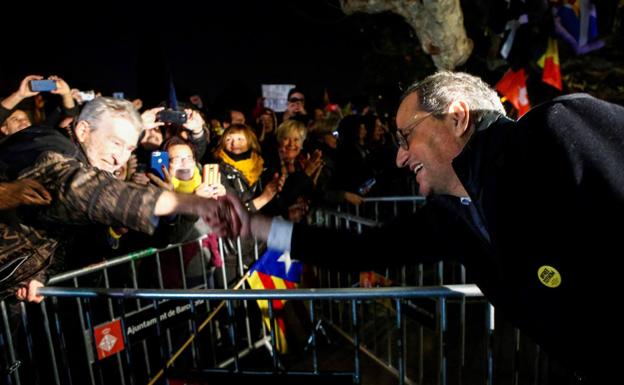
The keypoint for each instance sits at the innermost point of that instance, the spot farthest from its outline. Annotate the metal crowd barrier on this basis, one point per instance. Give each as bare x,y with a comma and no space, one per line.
419,333
353,298
65,339
518,360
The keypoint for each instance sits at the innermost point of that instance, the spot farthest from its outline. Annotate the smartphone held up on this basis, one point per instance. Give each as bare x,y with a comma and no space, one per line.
44,85
159,159
172,116
211,174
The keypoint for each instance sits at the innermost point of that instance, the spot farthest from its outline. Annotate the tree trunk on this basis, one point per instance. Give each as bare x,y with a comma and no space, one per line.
439,25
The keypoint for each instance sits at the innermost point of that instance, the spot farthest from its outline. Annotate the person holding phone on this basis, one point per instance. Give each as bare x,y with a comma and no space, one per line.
295,107
13,120
157,131
182,173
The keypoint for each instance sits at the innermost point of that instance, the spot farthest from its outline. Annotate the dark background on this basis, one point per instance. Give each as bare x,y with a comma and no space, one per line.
224,50
221,50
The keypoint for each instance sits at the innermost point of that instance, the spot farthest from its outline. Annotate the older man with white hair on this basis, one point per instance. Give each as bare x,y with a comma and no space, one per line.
79,177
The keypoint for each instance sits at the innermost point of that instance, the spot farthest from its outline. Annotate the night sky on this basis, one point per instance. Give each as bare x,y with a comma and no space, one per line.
222,50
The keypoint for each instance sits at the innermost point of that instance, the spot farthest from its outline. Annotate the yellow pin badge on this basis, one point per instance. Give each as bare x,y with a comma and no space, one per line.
549,276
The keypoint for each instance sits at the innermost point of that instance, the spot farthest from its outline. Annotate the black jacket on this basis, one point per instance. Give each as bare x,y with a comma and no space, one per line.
549,191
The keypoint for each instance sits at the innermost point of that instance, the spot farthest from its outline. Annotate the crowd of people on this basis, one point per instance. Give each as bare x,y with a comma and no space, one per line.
530,207
280,164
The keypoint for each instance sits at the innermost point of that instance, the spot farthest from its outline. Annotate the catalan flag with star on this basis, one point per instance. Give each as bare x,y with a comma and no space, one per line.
275,270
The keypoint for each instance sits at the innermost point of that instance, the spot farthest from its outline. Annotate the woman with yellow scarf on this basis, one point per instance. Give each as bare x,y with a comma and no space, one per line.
241,166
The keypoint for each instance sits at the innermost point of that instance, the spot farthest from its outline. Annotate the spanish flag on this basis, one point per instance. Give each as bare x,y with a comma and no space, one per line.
550,63
275,270
513,86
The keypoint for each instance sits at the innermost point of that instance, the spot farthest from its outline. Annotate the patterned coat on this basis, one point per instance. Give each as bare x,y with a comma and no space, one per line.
81,195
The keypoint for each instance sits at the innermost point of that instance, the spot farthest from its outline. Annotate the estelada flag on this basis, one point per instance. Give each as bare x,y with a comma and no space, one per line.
576,23
550,63
108,339
275,270
513,86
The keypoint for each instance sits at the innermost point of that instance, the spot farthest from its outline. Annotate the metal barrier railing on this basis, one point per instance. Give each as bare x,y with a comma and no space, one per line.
447,291
378,209
355,298
368,322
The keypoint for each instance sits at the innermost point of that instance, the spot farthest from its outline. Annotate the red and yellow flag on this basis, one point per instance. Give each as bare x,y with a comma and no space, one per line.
513,86
275,270
550,63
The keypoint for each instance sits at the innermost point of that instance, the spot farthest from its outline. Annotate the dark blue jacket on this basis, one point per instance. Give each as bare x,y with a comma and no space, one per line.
549,193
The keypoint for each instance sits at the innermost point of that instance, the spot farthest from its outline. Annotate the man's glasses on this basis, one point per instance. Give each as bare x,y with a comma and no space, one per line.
403,134
296,100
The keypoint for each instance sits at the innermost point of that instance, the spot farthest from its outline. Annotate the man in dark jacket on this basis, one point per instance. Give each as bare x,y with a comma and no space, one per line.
529,207
23,249
79,178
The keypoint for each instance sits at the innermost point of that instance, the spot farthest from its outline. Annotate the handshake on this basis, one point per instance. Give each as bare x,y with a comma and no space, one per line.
227,217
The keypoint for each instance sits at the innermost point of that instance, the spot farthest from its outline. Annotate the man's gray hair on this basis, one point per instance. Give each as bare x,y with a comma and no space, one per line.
104,107
436,92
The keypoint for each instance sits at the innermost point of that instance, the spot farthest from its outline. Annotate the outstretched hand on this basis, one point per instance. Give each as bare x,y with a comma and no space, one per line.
231,219
23,192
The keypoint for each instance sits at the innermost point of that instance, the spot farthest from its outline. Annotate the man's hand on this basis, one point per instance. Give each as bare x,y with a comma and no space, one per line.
165,184
212,191
23,192
22,93
149,118
274,186
312,164
352,198
226,216
62,88
194,123
24,89
28,292
232,218
131,166
75,94
298,210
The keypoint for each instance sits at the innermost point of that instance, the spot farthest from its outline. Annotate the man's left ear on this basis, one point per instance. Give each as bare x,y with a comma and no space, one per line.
81,131
459,112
